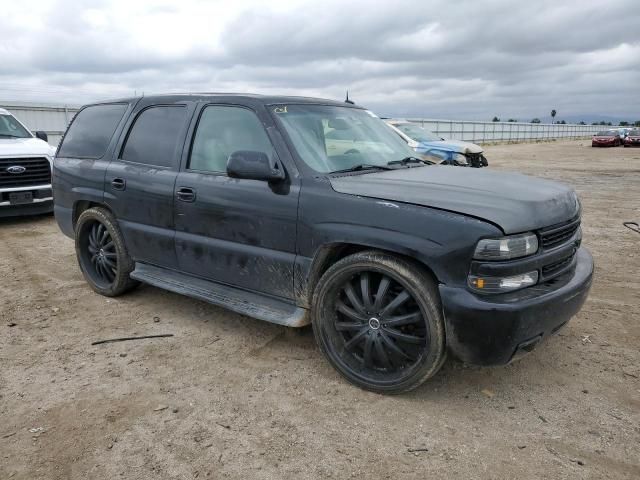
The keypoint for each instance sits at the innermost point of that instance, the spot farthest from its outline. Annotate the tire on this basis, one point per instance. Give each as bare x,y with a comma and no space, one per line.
102,253
372,343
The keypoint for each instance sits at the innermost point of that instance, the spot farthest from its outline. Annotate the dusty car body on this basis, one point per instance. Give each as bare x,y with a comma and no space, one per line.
240,201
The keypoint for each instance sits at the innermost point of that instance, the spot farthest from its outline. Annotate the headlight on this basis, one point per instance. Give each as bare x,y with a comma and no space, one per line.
506,248
502,284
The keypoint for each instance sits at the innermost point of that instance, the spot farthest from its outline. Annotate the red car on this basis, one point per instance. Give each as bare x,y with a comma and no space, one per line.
633,139
606,138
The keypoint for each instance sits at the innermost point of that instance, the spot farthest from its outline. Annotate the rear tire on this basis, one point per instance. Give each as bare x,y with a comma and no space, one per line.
102,253
377,319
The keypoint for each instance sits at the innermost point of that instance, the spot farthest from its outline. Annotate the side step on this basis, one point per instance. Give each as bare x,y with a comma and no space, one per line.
234,299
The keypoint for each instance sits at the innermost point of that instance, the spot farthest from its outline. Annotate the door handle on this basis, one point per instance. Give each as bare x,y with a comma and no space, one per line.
118,184
186,194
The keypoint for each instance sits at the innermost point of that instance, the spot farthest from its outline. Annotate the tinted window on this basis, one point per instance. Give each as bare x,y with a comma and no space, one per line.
153,138
91,131
222,131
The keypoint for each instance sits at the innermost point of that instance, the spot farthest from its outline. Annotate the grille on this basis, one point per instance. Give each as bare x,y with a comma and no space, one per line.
555,267
38,172
555,236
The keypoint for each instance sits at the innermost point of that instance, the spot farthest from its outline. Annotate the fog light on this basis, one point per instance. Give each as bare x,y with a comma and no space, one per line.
502,284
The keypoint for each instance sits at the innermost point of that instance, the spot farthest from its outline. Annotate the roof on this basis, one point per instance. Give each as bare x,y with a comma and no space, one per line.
254,97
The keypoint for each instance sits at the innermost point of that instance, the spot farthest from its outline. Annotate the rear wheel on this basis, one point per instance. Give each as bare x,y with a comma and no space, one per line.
102,254
377,319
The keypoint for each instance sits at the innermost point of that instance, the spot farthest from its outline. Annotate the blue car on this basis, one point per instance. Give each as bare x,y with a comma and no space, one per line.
438,150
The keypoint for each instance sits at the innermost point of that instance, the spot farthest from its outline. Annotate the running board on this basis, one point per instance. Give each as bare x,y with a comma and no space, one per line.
234,299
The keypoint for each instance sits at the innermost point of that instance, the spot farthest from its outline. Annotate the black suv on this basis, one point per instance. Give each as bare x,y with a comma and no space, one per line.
249,202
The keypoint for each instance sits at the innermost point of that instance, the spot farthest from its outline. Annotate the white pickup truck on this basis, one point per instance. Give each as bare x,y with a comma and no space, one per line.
26,163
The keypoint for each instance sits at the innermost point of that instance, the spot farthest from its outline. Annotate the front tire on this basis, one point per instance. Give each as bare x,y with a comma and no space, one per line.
102,254
377,319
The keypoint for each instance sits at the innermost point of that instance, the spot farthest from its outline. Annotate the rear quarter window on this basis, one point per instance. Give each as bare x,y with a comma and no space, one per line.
154,136
91,131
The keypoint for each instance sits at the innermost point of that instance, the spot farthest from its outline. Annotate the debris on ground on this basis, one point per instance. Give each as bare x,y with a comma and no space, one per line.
124,339
488,393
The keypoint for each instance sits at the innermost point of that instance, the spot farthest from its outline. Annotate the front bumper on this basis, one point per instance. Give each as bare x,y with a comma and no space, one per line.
35,208
42,201
494,329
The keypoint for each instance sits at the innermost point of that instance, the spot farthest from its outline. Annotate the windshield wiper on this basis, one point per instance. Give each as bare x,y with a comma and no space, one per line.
407,160
362,166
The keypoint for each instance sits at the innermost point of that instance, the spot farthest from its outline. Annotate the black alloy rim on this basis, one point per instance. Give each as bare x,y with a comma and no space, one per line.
381,326
102,253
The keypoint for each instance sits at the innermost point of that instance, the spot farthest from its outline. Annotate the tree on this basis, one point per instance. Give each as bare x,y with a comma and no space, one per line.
553,115
623,123
636,123
535,120
594,123
495,119
512,120
581,123
602,122
562,122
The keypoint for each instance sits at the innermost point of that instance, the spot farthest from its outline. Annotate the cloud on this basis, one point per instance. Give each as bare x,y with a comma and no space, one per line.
435,59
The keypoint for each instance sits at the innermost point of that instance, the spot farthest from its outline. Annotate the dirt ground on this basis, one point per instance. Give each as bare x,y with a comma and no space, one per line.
233,397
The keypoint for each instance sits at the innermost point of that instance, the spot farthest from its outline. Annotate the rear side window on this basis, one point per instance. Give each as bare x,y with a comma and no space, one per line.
154,136
91,131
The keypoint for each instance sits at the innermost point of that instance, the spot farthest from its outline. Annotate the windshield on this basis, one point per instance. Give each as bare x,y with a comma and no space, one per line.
634,133
331,138
606,134
414,132
10,127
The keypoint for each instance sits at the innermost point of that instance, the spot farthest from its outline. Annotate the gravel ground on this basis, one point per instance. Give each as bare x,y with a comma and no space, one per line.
233,397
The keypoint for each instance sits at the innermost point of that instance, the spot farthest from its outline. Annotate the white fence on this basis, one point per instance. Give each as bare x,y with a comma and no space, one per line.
52,119
486,132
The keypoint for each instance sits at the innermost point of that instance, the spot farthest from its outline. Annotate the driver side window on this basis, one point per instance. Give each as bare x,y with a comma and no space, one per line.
223,130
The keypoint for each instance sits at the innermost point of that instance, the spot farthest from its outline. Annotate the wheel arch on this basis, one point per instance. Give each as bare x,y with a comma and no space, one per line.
330,253
81,206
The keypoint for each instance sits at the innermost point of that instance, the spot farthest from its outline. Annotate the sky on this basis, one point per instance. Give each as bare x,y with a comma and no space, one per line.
403,58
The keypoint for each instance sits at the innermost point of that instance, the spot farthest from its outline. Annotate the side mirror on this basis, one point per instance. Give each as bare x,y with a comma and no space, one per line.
252,165
42,135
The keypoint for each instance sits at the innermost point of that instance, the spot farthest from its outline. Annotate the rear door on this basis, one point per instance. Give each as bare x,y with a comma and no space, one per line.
235,231
140,181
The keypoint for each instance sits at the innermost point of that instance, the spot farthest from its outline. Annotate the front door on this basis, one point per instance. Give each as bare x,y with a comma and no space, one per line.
234,231
139,183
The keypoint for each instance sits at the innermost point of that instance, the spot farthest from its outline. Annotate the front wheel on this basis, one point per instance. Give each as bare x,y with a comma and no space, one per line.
102,254
377,319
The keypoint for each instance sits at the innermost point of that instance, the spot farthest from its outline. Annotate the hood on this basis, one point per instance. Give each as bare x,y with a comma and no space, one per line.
452,145
516,203
24,146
